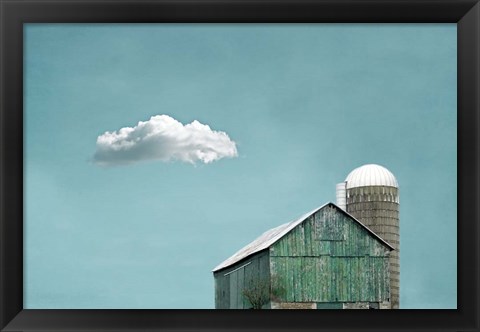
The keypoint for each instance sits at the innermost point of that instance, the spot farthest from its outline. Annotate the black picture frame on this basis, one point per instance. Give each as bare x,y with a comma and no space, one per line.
14,13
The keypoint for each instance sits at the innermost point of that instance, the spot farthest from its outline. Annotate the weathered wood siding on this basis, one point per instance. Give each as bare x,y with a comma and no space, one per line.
329,258
231,282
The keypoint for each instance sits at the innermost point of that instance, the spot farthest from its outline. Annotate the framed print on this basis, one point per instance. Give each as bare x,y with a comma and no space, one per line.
159,157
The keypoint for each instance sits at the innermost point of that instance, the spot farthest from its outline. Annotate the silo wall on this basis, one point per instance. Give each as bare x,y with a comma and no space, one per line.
377,207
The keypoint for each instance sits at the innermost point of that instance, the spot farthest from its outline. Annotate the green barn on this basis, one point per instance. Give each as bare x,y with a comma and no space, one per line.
326,259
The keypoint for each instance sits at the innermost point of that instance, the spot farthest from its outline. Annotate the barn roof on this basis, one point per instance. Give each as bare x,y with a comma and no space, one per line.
271,236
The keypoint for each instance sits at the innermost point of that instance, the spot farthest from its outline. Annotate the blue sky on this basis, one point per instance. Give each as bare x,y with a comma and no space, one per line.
300,105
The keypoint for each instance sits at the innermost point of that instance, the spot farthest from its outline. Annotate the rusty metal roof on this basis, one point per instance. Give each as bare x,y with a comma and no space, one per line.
271,236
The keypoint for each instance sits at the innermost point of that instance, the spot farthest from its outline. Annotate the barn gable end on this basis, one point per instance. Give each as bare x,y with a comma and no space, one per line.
330,258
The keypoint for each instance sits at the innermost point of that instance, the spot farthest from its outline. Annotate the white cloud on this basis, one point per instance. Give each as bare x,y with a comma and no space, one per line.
166,139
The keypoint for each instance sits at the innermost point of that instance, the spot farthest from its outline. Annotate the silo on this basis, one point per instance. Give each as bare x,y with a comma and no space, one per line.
370,193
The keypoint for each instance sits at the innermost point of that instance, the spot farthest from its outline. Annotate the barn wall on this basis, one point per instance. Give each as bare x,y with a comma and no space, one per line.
330,258
232,281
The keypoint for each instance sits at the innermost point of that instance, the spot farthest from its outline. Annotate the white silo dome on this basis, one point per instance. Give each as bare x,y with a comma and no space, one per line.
371,175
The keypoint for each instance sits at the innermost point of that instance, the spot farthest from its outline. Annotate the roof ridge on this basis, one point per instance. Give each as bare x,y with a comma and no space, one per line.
270,237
